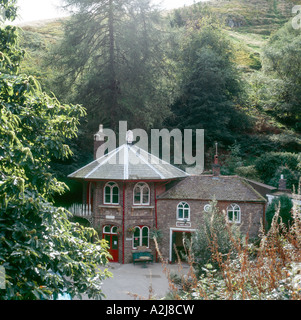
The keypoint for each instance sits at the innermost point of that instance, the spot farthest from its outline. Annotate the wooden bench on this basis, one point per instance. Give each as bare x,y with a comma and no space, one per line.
142,254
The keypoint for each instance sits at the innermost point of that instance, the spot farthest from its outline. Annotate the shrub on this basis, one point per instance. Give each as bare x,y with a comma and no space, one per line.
267,271
285,212
211,236
270,165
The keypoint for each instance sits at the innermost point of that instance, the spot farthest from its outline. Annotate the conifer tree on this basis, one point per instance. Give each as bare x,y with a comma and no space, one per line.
113,61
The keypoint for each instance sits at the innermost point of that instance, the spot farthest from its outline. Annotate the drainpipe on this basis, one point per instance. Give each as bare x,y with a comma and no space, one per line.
156,210
123,218
264,222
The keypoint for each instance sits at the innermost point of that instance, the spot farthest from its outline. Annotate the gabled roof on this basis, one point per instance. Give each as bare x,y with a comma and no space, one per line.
128,162
205,187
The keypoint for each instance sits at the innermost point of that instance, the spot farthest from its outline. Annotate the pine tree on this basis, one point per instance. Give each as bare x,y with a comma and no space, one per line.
113,61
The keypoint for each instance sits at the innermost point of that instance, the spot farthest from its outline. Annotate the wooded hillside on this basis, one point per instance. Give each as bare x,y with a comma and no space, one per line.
224,66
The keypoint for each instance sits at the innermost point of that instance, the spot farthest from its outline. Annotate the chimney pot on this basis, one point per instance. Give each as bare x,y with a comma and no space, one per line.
216,168
99,139
282,183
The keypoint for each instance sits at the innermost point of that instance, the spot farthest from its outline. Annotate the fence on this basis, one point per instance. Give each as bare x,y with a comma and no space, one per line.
80,210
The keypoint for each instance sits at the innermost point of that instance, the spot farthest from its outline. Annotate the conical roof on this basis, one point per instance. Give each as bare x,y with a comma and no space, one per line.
129,162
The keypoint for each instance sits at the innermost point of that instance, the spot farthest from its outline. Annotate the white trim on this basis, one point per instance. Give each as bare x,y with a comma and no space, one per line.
102,163
111,193
89,164
152,167
160,161
232,208
140,236
141,195
126,163
207,207
183,219
171,230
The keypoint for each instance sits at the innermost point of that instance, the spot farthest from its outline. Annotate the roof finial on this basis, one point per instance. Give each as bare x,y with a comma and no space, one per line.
216,154
129,137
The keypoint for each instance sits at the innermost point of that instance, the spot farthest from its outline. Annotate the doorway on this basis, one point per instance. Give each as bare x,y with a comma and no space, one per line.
179,240
111,236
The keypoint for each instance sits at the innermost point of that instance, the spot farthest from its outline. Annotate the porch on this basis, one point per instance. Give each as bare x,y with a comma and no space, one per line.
80,210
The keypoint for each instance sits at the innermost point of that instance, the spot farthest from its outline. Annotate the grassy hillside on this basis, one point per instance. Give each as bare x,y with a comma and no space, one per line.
37,38
248,23
256,16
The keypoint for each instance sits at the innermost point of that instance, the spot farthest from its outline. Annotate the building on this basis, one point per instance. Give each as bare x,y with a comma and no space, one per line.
282,190
128,193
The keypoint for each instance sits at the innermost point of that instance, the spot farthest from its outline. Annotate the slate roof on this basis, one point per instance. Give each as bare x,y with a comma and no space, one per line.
205,187
128,162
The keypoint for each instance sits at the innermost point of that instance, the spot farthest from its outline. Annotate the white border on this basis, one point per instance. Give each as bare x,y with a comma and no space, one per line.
171,230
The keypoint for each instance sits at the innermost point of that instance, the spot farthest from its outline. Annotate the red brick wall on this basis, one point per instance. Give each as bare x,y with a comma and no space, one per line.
166,216
167,213
133,215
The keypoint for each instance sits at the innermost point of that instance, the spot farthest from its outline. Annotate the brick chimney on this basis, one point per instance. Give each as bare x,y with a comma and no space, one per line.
216,168
282,183
99,139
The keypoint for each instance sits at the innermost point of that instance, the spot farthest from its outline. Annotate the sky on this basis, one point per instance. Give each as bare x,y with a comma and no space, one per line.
31,10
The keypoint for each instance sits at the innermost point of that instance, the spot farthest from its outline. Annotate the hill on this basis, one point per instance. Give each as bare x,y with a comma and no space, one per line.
36,38
248,24
255,16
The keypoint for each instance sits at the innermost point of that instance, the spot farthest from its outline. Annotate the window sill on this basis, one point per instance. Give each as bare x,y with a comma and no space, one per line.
142,207
109,206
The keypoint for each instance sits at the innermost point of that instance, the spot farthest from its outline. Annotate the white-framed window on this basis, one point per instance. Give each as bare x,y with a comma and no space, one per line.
141,194
108,229
183,211
141,237
111,193
234,213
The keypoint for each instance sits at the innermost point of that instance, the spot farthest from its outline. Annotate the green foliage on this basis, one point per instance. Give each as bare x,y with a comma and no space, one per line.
212,236
285,205
112,60
248,172
271,165
266,270
282,57
233,161
210,85
43,253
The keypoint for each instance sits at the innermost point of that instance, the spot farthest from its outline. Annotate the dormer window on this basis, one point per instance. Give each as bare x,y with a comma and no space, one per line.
141,194
111,193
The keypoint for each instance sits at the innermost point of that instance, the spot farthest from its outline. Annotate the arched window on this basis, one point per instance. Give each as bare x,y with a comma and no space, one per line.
141,194
183,211
141,237
108,229
234,213
111,193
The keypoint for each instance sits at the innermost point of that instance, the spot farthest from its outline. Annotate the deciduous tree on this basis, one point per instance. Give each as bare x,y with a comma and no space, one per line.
43,253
